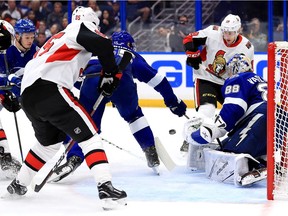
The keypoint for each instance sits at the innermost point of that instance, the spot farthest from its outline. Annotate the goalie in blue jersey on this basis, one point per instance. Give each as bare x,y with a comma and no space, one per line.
125,99
241,121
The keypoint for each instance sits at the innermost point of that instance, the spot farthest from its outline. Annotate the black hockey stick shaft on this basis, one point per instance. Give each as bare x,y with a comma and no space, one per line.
18,136
15,117
124,62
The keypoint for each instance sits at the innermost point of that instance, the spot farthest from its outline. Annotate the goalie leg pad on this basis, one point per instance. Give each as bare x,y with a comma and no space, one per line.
195,159
225,166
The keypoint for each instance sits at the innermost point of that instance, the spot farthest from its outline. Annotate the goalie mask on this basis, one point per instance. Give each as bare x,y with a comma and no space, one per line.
123,39
7,34
81,14
239,63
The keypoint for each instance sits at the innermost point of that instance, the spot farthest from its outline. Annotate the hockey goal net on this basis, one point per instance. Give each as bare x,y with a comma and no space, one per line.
277,116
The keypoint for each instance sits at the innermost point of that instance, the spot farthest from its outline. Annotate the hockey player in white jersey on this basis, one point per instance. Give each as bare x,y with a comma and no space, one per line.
54,111
243,119
220,44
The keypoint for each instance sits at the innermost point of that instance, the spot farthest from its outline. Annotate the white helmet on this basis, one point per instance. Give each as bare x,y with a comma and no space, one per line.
7,34
85,14
239,63
231,23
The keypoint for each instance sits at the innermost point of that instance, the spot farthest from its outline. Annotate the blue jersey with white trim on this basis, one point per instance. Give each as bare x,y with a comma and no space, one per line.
140,70
243,93
16,59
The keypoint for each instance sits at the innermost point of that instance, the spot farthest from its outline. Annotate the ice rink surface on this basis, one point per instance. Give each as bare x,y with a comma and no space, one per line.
179,192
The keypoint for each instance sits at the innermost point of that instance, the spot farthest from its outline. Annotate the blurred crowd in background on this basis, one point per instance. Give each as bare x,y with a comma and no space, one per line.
51,17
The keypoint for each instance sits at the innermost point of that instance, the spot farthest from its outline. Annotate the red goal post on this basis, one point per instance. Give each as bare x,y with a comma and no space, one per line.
277,125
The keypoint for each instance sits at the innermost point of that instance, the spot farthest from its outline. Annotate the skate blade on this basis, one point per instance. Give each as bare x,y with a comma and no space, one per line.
110,204
156,170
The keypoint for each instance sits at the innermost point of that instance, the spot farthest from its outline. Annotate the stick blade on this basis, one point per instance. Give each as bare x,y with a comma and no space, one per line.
163,155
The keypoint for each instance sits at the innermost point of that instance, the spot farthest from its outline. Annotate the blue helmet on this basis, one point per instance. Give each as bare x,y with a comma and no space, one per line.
24,26
123,39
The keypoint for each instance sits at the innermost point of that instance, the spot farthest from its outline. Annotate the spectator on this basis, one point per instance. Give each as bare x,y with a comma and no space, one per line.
165,33
256,36
73,6
179,31
56,15
40,39
54,29
35,6
3,6
31,16
64,23
116,11
43,29
12,10
278,34
137,8
93,4
24,7
107,23
46,7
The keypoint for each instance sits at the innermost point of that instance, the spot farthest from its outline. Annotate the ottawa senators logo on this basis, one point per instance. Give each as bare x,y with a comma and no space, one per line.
219,64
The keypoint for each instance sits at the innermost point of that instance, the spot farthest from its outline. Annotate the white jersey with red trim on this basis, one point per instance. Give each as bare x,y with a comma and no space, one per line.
216,53
65,55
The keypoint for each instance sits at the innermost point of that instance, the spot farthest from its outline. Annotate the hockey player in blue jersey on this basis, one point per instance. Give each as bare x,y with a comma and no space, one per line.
242,119
125,99
12,63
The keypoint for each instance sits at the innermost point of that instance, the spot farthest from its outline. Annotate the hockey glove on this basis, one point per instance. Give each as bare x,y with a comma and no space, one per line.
15,82
191,126
108,83
178,108
193,59
10,101
192,52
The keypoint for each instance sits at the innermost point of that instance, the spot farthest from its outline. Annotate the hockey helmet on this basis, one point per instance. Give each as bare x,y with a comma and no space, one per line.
231,23
24,26
85,14
239,63
7,34
123,39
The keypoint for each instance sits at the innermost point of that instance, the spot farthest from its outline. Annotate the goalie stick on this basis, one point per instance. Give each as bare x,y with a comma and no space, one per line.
37,187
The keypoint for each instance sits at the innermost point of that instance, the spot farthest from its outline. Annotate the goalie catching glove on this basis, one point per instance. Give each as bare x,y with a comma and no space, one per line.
206,133
109,82
10,101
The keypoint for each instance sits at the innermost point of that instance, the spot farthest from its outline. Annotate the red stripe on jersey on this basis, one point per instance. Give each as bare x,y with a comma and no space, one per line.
96,157
34,161
76,102
2,135
63,54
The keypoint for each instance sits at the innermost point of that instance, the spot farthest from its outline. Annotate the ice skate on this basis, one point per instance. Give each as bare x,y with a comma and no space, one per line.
152,159
253,176
111,197
15,190
9,165
66,169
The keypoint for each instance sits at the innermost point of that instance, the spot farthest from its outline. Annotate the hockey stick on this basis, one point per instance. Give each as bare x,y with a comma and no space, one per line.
18,135
124,62
15,117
